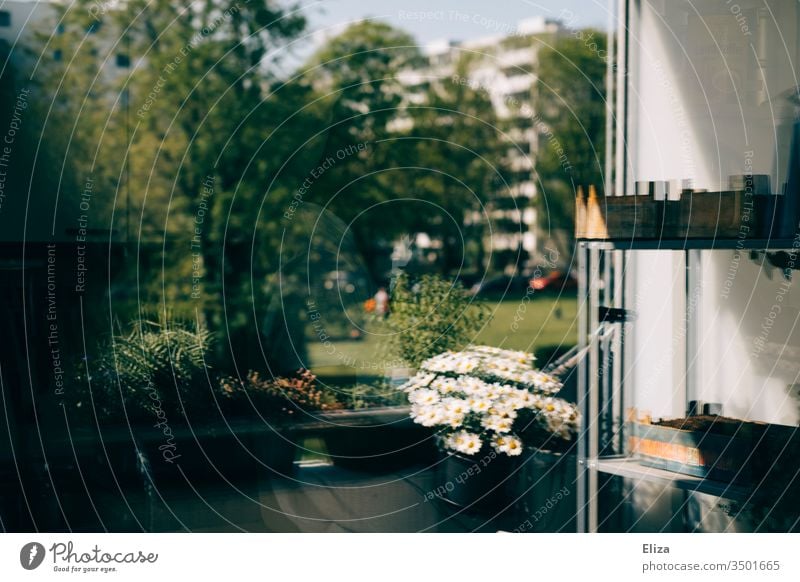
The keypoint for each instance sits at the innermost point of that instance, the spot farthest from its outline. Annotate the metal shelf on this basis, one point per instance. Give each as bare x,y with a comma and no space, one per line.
633,469
601,391
683,244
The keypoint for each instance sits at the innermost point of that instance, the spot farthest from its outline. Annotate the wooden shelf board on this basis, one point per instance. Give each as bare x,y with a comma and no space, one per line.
633,469
682,244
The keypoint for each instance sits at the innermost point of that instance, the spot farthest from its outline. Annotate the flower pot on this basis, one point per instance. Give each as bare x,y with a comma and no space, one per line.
544,492
276,452
239,452
381,439
483,482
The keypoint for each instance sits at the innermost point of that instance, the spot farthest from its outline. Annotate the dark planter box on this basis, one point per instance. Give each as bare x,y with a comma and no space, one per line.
135,455
699,453
535,490
235,452
376,439
694,215
483,483
545,493
369,440
610,217
776,462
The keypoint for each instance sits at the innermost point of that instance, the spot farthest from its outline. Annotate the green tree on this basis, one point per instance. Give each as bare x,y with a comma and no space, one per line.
570,105
460,148
236,131
357,75
433,152
197,131
77,116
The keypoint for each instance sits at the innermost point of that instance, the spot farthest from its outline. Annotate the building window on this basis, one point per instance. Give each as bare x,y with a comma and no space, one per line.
5,18
123,61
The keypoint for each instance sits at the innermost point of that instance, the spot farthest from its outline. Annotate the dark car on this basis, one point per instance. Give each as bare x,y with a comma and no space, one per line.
555,281
502,285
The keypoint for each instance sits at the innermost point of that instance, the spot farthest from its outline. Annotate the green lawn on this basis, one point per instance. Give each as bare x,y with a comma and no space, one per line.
540,323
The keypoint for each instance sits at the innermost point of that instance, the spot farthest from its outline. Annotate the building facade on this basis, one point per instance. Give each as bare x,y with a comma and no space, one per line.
503,67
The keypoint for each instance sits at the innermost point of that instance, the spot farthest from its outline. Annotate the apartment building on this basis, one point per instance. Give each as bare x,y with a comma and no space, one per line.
21,22
504,67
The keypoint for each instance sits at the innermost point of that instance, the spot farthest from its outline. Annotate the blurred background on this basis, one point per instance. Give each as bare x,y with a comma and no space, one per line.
199,200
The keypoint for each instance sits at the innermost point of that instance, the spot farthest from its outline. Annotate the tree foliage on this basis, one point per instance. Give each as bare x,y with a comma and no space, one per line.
434,149
357,77
220,166
459,149
431,315
571,123
191,142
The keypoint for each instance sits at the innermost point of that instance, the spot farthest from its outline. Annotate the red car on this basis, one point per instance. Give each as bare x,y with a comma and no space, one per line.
555,281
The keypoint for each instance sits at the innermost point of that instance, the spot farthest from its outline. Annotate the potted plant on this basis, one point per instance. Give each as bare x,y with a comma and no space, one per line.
282,407
729,450
426,315
139,394
152,404
488,406
430,315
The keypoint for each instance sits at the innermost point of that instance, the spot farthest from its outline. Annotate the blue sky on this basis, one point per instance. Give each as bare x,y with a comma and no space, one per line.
452,19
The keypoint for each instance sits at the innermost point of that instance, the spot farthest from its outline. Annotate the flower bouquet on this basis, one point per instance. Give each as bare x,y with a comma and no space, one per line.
489,399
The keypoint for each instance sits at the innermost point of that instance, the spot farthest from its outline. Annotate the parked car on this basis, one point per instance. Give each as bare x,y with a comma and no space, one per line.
502,285
556,281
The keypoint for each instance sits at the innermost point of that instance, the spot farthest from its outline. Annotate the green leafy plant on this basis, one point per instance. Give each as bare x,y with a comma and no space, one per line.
431,315
155,369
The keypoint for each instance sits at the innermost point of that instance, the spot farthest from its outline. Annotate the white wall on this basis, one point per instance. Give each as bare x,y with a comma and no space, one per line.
706,89
710,87
750,338
655,364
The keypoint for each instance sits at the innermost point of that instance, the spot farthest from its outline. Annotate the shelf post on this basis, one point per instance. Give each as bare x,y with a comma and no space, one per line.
582,469
588,384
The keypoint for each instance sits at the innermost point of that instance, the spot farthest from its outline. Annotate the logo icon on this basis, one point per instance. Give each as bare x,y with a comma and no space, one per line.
31,555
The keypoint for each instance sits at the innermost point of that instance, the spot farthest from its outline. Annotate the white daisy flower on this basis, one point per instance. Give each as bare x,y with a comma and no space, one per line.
424,397
479,405
511,446
491,384
496,423
453,420
470,444
428,415
457,406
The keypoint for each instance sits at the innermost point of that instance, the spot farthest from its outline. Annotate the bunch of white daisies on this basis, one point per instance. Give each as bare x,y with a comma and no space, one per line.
488,395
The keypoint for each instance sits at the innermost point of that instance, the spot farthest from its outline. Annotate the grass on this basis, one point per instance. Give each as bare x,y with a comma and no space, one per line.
542,322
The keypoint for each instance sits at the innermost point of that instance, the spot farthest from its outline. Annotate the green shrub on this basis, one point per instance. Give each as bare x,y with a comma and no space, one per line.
157,368
431,315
